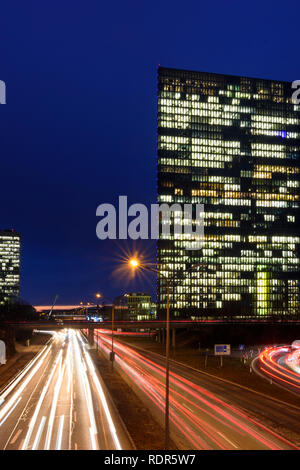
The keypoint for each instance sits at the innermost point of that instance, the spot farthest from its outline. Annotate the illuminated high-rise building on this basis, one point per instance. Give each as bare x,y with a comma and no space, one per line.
9,266
232,144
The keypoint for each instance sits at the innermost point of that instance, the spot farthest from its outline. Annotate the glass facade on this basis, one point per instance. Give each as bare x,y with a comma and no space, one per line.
139,306
232,144
9,266
134,306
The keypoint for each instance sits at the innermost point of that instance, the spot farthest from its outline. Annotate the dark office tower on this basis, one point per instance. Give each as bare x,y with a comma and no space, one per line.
232,144
9,266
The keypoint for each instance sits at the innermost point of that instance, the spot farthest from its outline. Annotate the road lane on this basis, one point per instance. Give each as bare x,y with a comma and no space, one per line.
204,412
59,402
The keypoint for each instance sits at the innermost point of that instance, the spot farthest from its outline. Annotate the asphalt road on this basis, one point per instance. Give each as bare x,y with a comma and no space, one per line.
60,402
205,413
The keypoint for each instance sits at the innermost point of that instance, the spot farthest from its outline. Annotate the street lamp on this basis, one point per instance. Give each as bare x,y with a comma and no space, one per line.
98,296
135,263
84,308
112,354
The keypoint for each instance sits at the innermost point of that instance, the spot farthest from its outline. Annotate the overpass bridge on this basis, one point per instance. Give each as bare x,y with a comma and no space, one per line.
143,324
156,326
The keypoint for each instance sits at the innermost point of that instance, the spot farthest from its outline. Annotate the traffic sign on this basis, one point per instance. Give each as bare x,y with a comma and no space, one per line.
222,349
2,352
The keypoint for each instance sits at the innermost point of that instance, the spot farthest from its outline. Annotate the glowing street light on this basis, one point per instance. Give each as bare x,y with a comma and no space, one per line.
135,263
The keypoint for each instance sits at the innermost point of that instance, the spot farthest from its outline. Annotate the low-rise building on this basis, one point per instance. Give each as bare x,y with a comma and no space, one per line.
135,306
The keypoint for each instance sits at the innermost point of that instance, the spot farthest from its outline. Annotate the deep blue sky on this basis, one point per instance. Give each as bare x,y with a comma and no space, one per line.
78,128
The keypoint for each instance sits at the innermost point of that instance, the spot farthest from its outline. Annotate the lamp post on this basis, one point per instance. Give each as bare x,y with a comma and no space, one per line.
112,336
84,308
98,296
135,263
112,353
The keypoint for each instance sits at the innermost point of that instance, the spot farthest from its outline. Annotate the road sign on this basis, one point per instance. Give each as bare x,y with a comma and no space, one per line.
241,347
112,356
222,349
2,352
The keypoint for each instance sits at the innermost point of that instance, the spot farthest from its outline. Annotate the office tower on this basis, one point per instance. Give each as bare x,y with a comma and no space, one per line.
233,144
9,266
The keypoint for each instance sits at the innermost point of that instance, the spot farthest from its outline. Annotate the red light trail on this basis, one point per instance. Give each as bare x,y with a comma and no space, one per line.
281,365
200,419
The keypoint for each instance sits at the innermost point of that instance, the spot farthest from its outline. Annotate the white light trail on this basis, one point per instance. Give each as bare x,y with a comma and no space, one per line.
39,433
87,389
19,391
10,411
93,441
102,397
59,433
53,407
15,382
39,404
70,385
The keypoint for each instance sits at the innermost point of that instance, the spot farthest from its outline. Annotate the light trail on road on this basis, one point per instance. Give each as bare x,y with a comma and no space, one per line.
127,333
293,361
281,365
199,418
59,402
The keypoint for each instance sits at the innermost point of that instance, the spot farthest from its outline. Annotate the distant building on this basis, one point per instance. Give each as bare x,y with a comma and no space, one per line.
135,306
232,144
9,266
153,311
121,308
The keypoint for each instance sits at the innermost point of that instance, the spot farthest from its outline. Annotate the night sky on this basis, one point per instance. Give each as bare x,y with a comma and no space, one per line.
79,126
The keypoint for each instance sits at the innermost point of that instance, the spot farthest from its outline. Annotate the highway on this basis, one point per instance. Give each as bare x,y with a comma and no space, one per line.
281,365
58,402
205,413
